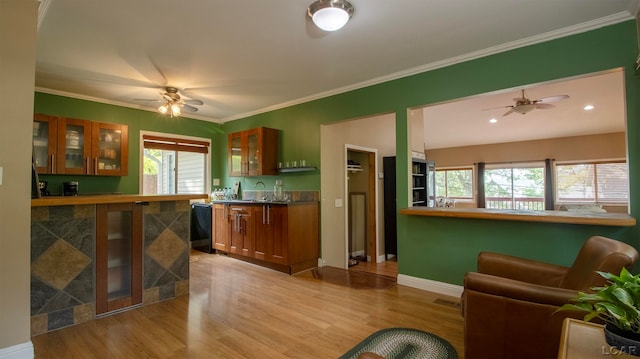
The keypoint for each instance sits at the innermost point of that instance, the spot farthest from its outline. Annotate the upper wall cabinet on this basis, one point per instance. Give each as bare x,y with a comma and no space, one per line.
253,152
71,146
45,131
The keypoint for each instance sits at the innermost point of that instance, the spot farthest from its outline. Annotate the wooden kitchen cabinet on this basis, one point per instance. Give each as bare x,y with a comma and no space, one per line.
74,146
110,149
45,139
253,152
284,237
269,242
240,230
220,222
118,256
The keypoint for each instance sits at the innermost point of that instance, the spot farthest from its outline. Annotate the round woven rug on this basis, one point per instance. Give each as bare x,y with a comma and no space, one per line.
405,343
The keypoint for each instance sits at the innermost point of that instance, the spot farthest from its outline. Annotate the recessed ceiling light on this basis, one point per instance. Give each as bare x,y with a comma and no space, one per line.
493,120
588,107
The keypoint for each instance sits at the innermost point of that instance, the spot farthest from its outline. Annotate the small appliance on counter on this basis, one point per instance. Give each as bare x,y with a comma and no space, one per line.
42,186
70,188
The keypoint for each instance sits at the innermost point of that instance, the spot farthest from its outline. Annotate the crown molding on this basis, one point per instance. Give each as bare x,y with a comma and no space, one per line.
532,40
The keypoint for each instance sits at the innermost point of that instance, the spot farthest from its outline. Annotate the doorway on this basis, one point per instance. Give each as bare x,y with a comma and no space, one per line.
361,206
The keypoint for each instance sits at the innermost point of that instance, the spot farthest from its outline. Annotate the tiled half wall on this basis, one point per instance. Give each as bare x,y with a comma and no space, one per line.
63,260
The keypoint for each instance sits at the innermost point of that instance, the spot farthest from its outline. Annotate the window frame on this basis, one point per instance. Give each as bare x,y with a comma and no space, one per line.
521,165
473,183
182,141
595,163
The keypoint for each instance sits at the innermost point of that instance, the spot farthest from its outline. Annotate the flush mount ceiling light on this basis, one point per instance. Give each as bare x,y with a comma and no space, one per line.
330,15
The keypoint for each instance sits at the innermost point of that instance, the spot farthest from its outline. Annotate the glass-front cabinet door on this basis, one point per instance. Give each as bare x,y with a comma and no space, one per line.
253,153
236,158
44,143
118,256
74,146
110,154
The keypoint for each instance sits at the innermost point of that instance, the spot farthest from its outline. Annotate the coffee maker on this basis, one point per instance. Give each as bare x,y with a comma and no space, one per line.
70,188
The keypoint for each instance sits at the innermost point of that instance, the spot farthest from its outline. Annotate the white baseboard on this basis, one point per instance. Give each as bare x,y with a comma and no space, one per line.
20,351
451,290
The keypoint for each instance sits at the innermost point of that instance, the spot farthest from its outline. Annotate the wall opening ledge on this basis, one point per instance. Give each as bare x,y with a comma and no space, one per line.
569,217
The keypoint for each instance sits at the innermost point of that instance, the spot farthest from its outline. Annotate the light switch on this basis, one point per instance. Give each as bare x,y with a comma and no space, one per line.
381,175
216,181
338,202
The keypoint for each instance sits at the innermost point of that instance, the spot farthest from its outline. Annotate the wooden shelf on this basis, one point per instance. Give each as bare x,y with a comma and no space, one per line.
297,169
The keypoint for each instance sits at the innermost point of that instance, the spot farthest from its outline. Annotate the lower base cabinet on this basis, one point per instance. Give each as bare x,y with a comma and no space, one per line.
283,237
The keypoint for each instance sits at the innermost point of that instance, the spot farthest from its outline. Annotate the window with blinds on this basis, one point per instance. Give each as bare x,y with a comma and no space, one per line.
174,165
593,182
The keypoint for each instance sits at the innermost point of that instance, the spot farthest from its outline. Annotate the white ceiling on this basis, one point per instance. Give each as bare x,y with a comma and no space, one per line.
246,57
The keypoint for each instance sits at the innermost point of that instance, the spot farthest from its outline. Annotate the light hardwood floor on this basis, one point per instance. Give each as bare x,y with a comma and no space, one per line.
239,310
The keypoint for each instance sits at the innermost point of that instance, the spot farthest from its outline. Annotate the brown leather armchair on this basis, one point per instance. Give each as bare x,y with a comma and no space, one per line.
509,304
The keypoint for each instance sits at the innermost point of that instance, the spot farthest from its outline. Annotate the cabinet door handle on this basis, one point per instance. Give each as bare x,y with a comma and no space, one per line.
264,213
52,162
268,214
87,165
95,166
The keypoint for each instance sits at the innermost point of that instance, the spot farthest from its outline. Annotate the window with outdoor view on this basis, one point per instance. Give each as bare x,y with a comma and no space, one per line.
596,182
175,165
520,188
454,183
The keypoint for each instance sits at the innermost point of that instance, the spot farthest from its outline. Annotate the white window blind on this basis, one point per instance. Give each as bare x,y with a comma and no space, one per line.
592,183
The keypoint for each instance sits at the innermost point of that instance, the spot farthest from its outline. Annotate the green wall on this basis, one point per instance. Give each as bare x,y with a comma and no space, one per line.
444,249
440,249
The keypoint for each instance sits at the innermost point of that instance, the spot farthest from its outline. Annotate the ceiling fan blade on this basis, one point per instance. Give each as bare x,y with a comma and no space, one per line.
518,99
544,106
508,112
189,108
553,98
493,108
147,100
193,101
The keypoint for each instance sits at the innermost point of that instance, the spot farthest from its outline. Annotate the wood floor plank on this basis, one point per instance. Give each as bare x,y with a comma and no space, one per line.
239,310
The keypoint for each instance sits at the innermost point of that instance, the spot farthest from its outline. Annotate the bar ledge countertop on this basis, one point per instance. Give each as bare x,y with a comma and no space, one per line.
568,217
116,198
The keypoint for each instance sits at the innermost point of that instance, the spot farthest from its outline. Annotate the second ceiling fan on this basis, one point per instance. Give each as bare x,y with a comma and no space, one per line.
523,105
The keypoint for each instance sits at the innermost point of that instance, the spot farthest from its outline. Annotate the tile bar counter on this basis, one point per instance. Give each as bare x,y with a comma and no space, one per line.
568,217
65,265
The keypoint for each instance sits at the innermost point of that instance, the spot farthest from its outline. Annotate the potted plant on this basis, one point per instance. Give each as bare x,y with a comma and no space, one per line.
618,306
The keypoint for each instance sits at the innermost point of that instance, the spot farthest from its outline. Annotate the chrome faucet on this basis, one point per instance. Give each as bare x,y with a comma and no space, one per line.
260,182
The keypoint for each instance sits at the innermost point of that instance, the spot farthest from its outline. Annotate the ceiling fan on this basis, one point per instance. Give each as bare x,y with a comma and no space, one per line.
173,103
524,105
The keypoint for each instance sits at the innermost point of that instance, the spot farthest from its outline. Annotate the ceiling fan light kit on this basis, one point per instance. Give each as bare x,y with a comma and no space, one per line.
173,103
330,15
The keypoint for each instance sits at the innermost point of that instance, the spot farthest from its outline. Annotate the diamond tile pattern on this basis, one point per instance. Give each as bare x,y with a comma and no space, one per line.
47,267
166,248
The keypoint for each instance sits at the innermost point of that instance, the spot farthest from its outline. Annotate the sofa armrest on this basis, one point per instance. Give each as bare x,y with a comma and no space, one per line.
521,269
517,290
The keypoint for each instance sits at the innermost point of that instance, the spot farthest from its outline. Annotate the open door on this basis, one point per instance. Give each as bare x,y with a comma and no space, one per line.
361,207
